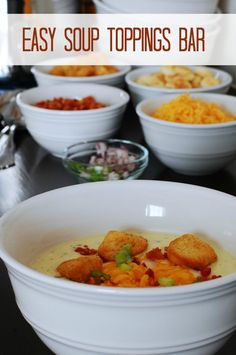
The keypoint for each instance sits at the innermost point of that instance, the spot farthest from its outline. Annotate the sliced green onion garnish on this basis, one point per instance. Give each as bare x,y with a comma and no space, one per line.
125,267
166,281
100,274
124,255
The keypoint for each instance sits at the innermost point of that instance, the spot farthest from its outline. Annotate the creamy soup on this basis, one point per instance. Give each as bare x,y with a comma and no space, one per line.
49,260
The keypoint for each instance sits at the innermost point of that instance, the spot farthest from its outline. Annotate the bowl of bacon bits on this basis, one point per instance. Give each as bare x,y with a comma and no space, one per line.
61,115
65,104
111,159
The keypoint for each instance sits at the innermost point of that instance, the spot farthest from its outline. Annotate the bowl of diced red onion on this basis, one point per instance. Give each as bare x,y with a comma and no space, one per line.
110,159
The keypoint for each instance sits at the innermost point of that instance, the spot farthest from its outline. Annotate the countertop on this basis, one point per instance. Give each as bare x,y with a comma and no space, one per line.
36,172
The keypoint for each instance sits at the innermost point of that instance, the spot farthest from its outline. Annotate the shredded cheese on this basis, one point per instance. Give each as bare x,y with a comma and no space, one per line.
185,109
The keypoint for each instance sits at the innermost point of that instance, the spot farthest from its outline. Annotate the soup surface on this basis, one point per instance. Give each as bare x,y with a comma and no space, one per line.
148,268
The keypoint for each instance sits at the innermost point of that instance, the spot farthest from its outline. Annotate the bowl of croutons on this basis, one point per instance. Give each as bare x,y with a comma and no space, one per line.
145,83
125,267
68,74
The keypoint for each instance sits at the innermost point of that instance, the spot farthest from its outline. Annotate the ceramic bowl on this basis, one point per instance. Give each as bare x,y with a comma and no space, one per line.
190,149
141,92
43,78
228,6
55,130
131,159
160,6
78,319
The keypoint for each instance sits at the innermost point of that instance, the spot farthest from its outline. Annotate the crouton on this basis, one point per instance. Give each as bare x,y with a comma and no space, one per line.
189,250
115,240
80,269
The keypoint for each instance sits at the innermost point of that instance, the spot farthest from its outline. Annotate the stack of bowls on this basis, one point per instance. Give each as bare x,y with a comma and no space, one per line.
212,25
157,6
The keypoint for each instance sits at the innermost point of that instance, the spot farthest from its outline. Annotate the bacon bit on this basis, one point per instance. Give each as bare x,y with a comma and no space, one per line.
152,281
206,272
213,277
151,277
150,273
136,260
85,250
94,281
155,254
202,278
65,104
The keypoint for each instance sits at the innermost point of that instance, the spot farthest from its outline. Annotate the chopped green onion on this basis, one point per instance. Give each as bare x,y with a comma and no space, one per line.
124,255
100,274
125,267
166,281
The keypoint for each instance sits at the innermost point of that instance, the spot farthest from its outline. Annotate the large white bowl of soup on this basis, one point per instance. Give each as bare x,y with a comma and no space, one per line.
75,317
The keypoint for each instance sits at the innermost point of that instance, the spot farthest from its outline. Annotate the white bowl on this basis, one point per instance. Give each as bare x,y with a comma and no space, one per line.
231,69
102,8
84,319
141,92
187,148
55,130
43,78
158,6
228,6
55,6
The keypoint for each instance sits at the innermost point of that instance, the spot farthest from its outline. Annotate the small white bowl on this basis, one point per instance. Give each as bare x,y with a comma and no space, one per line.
231,69
190,149
43,78
227,6
158,6
140,92
78,319
55,130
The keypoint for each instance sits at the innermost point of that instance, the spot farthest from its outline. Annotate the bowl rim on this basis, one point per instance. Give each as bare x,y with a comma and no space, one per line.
145,117
128,78
109,7
111,291
144,153
124,69
125,97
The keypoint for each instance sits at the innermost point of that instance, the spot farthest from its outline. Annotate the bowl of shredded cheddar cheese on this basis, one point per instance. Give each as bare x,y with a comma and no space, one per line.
193,134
